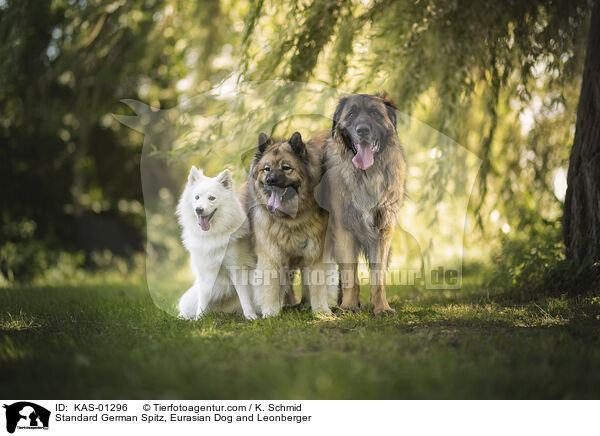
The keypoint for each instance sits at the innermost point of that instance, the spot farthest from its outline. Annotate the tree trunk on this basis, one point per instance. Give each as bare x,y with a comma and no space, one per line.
581,220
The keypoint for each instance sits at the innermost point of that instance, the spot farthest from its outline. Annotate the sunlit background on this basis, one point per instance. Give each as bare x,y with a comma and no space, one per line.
486,95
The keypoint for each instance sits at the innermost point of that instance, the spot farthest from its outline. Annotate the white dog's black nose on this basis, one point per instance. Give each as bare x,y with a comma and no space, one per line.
199,210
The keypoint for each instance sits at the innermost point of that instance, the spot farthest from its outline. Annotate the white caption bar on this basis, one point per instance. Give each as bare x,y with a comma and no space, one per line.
22,417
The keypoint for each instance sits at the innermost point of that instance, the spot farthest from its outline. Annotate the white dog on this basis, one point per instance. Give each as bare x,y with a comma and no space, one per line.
216,233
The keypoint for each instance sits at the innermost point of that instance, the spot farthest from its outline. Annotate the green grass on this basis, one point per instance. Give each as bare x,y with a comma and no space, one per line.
110,341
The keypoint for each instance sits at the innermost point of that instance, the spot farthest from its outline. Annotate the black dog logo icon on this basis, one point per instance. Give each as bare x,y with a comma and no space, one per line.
30,413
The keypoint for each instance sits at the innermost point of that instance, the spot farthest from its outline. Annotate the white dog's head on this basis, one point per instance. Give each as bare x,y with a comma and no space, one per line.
205,198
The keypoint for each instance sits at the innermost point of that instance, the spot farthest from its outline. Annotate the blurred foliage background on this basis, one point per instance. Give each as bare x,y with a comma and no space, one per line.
500,78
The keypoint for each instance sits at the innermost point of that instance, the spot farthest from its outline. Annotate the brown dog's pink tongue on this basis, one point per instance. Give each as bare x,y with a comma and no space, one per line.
274,201
363,158
204,223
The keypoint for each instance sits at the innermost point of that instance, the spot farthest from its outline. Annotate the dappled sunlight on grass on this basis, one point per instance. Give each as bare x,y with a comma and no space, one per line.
483,313
323,318
17,322
210,333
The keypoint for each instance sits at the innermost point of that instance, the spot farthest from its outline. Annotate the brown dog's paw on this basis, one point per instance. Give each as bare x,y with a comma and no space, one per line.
383,311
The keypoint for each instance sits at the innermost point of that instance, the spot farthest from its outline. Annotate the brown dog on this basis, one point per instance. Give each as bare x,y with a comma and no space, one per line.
363,189
287,226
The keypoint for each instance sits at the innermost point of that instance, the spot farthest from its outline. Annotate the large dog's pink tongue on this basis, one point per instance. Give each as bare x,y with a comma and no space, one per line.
204,223
363,158
274,201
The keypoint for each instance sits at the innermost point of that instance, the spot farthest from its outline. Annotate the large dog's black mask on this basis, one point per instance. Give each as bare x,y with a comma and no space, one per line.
364,124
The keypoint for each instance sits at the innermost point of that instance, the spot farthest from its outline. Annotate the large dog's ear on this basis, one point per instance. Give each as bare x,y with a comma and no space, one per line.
337,114
264,141
224,178
298,147
390,107
194,175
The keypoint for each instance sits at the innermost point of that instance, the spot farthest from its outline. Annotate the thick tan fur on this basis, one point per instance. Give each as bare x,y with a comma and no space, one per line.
290,238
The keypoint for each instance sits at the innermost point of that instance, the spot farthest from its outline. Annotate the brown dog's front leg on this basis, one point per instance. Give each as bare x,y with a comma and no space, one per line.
350,288
346,256
378,254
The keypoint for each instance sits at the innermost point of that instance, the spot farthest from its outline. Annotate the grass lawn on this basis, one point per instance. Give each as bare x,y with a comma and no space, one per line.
110,341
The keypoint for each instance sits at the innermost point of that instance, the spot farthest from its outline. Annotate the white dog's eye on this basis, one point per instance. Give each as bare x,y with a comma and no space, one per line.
197,197
211,198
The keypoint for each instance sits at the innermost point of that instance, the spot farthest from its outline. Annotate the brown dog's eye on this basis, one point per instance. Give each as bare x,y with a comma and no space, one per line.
286,168
266,169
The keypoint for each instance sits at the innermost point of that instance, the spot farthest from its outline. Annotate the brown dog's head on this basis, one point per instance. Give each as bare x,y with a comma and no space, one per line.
280,175
363,126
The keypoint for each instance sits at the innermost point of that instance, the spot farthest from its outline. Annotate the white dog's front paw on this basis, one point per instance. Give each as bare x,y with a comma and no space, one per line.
186,316
251,315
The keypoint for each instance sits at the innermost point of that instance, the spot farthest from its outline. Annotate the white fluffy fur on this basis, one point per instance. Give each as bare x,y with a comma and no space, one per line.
221,257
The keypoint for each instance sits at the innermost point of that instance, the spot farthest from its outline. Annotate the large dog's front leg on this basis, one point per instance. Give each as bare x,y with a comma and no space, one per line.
378,253
269,288
317,284
345,252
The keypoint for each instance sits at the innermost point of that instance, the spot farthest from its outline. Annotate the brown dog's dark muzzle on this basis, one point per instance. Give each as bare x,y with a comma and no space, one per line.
276,178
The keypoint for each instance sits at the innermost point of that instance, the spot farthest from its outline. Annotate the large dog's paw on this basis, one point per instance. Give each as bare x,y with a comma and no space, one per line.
383,311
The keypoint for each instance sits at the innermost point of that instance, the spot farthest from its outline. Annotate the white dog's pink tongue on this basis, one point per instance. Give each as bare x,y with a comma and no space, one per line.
204,223
274,201
363,158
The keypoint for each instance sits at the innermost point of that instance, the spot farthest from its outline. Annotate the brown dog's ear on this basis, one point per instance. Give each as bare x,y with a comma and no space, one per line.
263,141
390,107
298,147
337,114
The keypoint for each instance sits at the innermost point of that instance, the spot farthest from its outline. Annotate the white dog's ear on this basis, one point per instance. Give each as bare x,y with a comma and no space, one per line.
195,174
224,178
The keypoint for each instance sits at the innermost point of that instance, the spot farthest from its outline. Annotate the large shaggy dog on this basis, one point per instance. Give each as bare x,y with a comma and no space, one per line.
288,227
363,189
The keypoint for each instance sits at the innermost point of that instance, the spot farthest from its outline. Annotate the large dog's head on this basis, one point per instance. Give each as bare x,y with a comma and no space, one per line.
280,175
363,126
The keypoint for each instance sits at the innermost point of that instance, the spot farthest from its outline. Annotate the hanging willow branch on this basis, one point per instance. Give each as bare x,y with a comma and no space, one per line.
317,31
251,21
486,145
